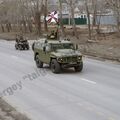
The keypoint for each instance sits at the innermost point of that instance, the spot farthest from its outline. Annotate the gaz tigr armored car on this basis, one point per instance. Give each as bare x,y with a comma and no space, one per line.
58,54
21,43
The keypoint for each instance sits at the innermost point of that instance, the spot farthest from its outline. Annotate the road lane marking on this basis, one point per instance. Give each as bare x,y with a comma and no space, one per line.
100,113
89,81
110,118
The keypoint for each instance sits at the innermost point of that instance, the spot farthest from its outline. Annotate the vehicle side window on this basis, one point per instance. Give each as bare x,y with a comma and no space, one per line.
68,46
48,47
38,45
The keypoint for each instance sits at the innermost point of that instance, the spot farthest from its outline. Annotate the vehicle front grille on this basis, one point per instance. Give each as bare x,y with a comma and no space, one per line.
70,59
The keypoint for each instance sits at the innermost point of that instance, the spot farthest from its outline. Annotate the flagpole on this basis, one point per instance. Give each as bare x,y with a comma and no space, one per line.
58,30
53,16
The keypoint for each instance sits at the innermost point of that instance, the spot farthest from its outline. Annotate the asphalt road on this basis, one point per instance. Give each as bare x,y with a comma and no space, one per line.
93,94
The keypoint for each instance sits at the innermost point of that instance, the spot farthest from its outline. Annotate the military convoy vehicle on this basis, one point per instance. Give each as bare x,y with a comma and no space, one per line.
58,54
21,43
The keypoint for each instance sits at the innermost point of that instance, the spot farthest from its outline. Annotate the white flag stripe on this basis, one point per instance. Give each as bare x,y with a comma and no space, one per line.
52,17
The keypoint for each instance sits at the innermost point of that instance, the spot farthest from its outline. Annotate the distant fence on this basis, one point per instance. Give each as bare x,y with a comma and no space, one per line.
78,21
106,20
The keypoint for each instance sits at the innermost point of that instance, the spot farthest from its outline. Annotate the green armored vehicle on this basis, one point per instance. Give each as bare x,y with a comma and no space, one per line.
58,54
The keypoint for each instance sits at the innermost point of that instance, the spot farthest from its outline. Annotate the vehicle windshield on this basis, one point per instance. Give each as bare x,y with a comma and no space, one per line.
62,46
23,41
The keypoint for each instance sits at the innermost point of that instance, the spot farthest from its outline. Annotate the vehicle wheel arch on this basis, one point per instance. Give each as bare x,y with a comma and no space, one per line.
36,55
52,57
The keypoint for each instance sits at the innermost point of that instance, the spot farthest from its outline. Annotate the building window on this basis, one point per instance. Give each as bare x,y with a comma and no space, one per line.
81,16
84,16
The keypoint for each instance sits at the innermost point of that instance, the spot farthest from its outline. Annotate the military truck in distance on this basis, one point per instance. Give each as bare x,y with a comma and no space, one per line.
58,54
21,43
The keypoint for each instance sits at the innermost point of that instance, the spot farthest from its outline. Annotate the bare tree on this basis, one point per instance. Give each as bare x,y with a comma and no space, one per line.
61,18
88,16
21,12
45,14
71,4
38,5
115,6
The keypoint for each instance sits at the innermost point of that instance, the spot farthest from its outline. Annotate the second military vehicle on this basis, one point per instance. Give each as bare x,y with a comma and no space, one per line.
21,43
58,54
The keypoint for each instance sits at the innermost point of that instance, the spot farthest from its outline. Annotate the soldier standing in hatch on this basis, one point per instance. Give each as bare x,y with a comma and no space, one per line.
54,35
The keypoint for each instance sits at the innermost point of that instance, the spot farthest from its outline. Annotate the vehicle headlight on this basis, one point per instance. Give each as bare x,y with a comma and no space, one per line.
60,59
79,57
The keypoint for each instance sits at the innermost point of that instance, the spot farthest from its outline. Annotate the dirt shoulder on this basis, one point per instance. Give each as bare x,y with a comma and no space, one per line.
12,35
106,48
9,113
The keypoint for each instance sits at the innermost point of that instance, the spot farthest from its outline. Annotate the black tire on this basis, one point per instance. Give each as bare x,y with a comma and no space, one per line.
55,66
20,47
16,47
23,48
39,64
28,47
79,67
33,46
